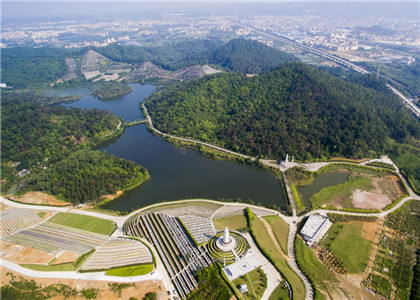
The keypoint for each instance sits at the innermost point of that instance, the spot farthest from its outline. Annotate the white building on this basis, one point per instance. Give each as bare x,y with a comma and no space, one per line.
315,228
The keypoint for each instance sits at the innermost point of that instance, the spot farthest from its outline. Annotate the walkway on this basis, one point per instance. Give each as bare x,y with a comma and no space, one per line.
273,276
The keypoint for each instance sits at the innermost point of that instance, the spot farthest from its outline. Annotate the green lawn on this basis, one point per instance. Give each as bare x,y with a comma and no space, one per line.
131,271
317,273
341,193
280,293
41,214
61,267
83,222
265,242
254,282
280,229
232,222
348,245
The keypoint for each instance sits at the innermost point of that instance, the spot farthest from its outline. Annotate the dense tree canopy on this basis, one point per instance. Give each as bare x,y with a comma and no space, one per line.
87,174
170,57
294,109
111,89
53,142
248,56
23,72
31,132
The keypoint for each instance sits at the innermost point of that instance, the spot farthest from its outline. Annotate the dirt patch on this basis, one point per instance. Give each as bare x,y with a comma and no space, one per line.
40,198
65,257
138,291
369,230
24,254
113,196
4,207
397,185
273,239
369,200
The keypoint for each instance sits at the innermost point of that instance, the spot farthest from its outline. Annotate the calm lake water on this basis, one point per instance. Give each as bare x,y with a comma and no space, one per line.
177,173
321,181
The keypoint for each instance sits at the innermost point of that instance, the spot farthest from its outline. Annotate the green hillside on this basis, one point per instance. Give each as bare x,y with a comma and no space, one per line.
248,56
295,109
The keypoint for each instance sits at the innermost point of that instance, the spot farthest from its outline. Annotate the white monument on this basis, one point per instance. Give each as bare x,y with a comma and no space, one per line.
225,242
226,238
285,163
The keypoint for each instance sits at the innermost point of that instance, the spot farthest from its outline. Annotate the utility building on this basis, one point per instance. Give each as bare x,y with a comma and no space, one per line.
315,227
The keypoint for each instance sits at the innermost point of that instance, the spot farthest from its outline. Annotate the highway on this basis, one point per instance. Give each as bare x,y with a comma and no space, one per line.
338,60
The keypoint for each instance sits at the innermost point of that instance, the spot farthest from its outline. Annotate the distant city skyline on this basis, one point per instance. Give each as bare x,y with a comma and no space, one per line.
212,1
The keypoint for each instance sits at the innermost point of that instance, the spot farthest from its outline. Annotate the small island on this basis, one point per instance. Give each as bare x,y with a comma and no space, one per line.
111,89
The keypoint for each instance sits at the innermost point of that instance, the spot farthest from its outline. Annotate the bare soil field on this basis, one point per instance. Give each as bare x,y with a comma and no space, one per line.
65,257
24,254
384,190
138,290
369,230
369,200
4,207
40,198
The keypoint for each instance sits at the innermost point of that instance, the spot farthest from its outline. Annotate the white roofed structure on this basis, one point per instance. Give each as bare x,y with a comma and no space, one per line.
315,228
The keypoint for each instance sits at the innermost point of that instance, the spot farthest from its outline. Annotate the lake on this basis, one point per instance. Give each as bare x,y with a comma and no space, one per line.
177,173
321,181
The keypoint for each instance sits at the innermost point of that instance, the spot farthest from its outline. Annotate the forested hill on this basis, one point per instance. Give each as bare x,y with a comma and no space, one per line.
238,55
247,56
295,109
53,143
24,67
170,57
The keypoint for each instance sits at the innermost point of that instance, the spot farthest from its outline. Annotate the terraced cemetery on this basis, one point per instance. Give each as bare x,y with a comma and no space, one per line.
15,220
176,248
55,238
119,252
200,228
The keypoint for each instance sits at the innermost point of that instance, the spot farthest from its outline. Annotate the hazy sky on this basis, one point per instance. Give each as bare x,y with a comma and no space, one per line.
223,1
30,11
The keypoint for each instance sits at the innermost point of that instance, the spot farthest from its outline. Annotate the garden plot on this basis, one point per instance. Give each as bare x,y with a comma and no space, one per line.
117,253
16,220
54,238
200,228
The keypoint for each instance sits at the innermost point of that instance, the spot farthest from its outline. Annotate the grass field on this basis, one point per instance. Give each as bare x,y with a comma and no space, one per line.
316,190
280,229
131,271
345,241
341,193
83,222
232,222
61,267
313,269
264,241
254,281
280,293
